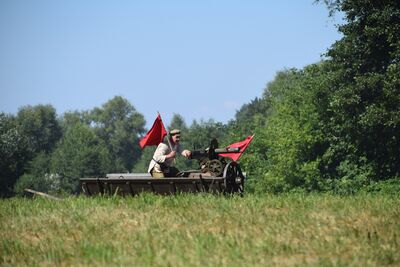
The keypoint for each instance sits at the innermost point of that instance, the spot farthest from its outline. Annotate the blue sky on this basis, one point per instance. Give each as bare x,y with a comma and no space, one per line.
200,59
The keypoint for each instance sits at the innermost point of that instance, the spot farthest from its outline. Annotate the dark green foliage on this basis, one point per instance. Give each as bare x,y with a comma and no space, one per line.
13,151
388,187
71,118
142,164
249,117
94,143
119,125
33,131
38,176
364,108
25,138
292,141
28,181
201,133
39,124
335,125
80,153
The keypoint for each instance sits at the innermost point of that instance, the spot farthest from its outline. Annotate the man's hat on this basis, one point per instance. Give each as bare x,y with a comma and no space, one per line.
174,132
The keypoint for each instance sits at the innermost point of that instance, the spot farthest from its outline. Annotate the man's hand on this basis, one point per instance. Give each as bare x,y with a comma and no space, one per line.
186,153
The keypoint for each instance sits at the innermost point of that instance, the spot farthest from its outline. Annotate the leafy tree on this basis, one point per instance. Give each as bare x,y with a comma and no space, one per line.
334,125
120,126
142,165
40,126
201,133
363,122
38,176
248,111
80,153
249,117
13,153
72,118
25,139
285,152
178,122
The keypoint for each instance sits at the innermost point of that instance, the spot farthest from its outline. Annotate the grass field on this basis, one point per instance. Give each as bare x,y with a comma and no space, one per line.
201,230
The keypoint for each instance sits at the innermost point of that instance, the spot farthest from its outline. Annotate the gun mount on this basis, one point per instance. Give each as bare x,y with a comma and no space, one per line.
209,159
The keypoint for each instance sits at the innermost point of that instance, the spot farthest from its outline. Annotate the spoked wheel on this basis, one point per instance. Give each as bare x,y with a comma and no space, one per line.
234,178
215,167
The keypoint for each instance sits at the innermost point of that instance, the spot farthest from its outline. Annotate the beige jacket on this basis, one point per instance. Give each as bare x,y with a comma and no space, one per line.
162,150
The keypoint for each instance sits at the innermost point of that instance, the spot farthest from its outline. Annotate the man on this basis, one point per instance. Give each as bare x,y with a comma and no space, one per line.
161,165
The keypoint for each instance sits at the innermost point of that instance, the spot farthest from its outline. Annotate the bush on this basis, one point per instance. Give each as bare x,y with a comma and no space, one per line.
48,183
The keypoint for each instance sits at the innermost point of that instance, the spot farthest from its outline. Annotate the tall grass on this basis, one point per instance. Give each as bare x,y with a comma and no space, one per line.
201,230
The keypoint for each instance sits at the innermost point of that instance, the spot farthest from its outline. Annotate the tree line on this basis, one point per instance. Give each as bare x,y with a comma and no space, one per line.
330,126
48,153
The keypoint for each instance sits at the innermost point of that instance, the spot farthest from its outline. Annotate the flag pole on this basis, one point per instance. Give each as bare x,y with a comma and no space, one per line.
169,142
170,146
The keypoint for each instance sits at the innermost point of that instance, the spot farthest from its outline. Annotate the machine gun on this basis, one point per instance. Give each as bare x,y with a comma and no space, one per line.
210,162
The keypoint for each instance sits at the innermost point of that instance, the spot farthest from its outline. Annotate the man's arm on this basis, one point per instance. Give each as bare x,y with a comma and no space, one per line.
161,153
184,152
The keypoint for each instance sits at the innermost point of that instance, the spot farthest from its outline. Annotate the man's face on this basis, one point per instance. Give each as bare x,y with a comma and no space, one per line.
176,138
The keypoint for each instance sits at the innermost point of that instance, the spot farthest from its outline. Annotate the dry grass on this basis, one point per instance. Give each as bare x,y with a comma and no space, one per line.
201,230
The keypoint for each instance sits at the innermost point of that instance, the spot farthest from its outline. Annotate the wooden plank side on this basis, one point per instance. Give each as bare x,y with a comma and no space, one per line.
164,186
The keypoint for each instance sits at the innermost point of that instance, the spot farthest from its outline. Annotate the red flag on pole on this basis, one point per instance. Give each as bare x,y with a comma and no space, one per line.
155,135
242,145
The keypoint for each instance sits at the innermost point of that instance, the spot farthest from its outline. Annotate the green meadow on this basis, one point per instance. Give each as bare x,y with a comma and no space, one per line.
202,230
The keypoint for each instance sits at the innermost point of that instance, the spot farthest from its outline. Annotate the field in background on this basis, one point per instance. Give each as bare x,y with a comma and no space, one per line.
201,230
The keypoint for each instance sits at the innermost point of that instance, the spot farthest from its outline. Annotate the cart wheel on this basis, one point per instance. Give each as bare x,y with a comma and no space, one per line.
234,178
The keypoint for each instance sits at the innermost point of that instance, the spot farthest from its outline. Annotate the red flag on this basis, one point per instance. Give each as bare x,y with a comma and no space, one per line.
155,135
242,145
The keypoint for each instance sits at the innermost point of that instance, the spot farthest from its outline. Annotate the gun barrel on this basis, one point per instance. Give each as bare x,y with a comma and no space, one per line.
227,150
197,154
